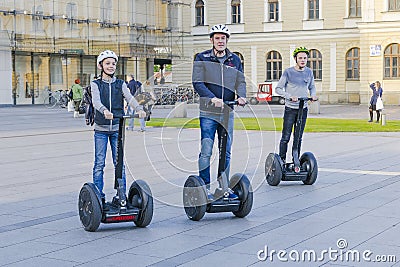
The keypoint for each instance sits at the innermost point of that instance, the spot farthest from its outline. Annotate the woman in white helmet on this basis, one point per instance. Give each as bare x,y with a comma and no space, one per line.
108,94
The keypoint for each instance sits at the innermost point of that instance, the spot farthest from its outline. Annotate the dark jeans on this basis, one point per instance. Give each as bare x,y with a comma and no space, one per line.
289,119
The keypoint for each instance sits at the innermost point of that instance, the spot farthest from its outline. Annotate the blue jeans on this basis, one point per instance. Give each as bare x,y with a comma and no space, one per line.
289,120
131,121
100,150
209,124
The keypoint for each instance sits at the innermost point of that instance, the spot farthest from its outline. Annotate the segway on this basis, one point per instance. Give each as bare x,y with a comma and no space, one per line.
303,169
195,199
137,207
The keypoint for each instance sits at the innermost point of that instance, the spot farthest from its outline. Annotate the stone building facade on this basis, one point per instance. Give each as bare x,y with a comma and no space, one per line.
352,42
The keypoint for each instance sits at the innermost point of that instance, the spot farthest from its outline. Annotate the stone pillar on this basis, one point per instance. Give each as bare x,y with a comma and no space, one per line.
180,110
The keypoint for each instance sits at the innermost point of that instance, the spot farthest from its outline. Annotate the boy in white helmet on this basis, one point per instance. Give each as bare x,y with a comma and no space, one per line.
108,94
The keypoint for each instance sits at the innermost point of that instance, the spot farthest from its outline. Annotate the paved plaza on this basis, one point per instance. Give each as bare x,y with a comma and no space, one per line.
349,217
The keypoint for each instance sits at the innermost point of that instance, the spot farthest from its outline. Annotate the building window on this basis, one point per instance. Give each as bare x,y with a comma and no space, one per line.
274,66
37,18
392,58
315,63
172,17
313,9
71,10
353,64
106,10
273,10
394,5
235,4
355,9
199,13
241,59
56,73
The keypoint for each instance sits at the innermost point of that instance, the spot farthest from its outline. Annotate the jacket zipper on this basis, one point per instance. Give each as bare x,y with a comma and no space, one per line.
222,81
109,89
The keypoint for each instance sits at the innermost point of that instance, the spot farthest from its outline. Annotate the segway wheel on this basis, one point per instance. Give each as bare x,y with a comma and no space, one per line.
309,163
140,196
194,198
89,209
273,169
241,186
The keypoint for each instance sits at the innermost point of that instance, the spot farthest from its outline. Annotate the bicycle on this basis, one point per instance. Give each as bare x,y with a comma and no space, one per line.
59,97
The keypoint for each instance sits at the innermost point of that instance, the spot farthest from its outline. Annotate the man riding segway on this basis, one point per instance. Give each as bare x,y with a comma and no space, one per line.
218,79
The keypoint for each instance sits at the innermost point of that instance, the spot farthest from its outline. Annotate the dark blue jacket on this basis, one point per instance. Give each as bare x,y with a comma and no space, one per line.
214,79
134,86
375,93
116,106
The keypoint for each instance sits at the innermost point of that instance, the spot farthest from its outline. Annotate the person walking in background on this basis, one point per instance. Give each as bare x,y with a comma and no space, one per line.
77,95
376,93
134,87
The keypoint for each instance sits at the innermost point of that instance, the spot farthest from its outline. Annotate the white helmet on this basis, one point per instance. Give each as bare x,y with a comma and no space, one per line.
220,28
106,54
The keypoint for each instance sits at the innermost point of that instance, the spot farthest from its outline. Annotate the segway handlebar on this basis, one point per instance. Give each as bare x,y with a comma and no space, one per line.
304,99
233,102
126,116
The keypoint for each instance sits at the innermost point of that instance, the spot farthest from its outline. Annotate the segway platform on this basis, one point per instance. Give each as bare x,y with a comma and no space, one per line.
119,214
195,200
303,169
223,205
277,171
138,207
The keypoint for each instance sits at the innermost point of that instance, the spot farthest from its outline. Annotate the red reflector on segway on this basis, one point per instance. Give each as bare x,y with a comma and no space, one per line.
121,218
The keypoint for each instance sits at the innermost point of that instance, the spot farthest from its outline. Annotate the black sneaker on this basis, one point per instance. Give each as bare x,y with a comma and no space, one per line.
115,201
105,205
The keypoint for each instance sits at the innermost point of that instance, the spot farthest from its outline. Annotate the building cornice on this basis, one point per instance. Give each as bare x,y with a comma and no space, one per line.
254,37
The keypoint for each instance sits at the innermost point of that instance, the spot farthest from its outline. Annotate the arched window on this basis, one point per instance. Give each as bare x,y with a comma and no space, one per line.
392,58
241,59
235,4
353,64
199,13
315,63
274,66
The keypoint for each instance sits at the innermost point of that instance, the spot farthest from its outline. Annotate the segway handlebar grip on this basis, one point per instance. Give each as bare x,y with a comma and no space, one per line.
232,103
305,98
127,116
